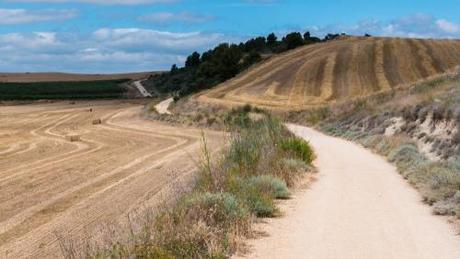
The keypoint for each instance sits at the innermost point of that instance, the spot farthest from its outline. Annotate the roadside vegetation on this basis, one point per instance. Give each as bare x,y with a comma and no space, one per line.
417,129
203,71
261,163
102,89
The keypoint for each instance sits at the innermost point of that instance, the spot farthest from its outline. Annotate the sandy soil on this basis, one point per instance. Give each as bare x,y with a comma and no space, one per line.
359,207
50,185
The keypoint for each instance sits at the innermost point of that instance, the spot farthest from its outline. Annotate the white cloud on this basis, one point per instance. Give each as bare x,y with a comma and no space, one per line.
104,50
21,16
414,26
166,17
447,26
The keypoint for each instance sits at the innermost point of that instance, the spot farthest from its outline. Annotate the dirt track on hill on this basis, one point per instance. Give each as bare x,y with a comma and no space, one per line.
49,184
359,207
337,70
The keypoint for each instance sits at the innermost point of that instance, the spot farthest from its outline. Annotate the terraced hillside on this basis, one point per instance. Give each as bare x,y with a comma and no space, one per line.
337,70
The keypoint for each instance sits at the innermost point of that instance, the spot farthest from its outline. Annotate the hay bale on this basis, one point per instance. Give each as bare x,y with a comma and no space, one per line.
97,122
74,138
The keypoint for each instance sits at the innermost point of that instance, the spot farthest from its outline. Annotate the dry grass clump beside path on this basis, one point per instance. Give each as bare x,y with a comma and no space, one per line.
258,166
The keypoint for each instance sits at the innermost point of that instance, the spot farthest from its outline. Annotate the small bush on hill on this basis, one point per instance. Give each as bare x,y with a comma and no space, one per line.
299,148
276,187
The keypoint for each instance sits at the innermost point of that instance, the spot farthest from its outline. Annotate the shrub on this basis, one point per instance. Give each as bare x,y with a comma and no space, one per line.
293,164
259,201
299,148
201,226
245,151
219,208
268,184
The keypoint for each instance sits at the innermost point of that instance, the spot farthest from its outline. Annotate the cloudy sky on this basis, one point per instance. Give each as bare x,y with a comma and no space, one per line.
99,36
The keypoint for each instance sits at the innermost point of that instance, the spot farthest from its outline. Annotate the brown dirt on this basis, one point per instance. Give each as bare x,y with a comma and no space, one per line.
355,67
49,184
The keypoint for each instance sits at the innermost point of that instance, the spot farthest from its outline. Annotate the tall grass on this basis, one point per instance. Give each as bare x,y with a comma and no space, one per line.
231,190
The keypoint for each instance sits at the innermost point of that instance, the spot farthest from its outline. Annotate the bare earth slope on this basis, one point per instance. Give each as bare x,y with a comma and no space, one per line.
48,183
337,70
360,207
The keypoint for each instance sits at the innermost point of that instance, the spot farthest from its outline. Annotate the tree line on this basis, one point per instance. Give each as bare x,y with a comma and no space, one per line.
203,71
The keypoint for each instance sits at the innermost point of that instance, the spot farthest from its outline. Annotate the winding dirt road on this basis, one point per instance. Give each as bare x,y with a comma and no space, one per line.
360,207
49,184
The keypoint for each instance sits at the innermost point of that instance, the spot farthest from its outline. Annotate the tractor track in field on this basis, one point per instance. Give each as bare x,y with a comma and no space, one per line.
334,71
116,167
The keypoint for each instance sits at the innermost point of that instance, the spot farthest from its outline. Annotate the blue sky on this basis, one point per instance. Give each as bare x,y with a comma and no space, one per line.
102,36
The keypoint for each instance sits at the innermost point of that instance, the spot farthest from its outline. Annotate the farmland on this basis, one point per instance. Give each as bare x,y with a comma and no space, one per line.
337,70
67,77
51,185
103,89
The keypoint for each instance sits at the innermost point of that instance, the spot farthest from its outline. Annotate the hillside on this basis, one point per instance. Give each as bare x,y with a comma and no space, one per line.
337,70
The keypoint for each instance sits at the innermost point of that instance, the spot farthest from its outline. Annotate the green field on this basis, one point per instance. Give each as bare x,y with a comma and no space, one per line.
107,89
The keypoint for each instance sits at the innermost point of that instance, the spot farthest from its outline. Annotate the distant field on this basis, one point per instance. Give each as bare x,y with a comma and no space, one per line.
107,89
337,70
65,77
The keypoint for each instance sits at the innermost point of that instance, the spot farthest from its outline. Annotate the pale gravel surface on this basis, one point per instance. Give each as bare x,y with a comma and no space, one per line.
162,107
141,89
359,207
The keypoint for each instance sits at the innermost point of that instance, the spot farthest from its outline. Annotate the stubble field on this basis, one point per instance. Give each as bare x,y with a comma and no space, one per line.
338,70
50,185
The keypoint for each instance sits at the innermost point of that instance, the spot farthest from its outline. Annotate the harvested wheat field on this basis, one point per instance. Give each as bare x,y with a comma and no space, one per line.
52,183
337,70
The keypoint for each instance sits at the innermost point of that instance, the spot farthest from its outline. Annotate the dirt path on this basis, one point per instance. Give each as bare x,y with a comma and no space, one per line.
141,89
162,107
50,185
360,207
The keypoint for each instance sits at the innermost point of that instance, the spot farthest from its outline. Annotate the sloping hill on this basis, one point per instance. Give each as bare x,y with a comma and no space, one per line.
337,70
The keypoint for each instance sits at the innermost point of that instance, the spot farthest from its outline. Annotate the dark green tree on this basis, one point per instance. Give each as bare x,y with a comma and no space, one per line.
293,40
174,68
306,36
331,36
271,39
257,44
252,58
228,61
193,60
